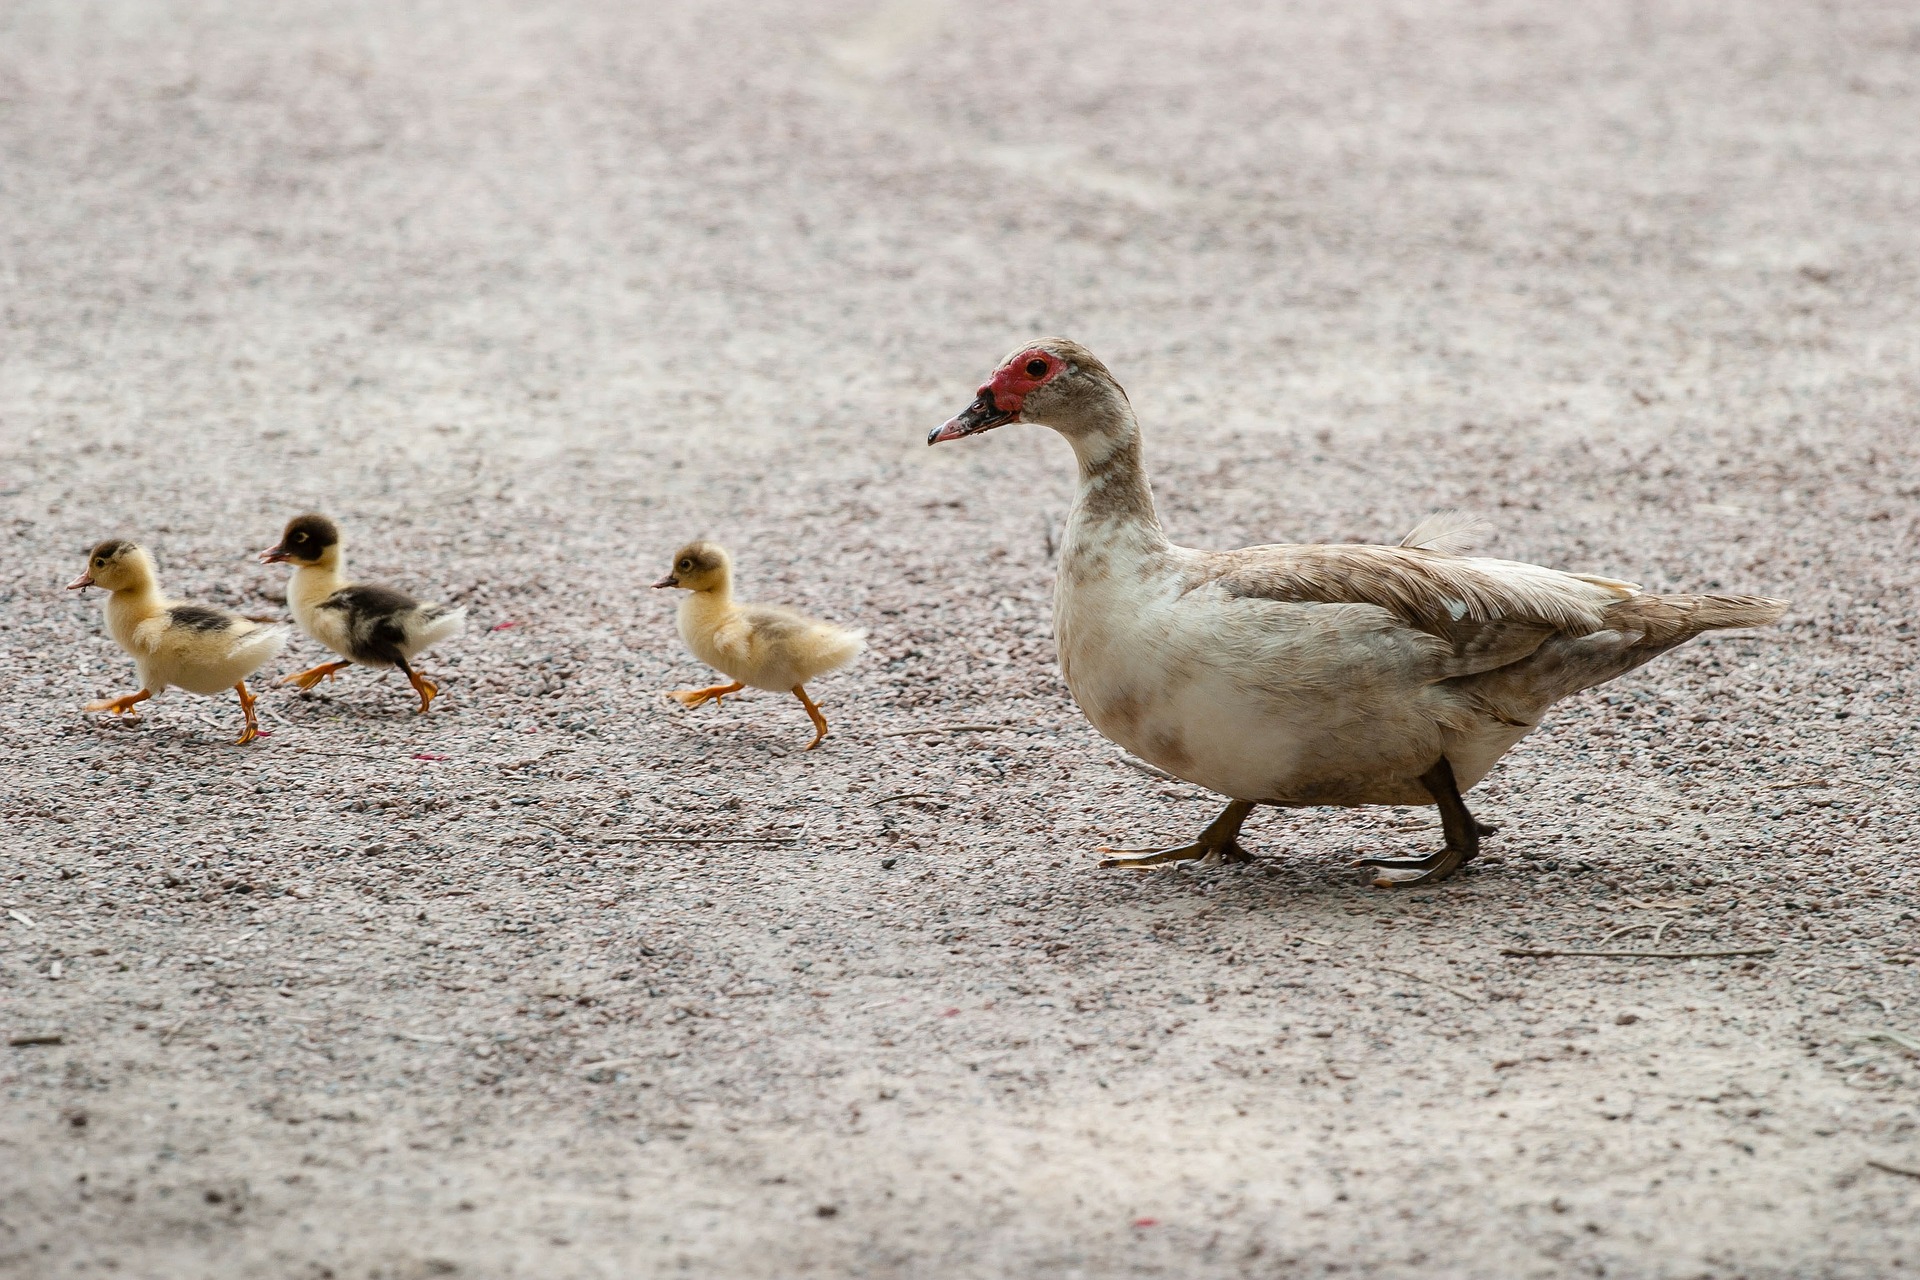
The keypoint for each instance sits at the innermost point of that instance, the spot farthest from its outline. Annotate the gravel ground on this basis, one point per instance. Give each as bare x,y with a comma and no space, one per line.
527,295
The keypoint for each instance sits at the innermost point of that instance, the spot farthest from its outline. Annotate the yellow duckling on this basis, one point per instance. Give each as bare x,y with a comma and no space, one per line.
197,647
759,645
372,625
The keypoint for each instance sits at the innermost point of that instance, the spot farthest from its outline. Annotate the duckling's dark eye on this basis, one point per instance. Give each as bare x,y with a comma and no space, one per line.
99,561
686,566
299,537
1036,368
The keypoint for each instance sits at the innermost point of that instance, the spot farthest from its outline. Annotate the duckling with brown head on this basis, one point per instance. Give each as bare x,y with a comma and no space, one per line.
195,647
760,645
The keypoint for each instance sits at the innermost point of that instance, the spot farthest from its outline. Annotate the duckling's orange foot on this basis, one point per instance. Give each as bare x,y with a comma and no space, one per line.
304,680
426,688
252,729
119,706
813,714
699,697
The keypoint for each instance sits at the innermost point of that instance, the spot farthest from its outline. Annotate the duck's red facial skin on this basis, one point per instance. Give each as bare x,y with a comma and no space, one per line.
1015,380
1000,400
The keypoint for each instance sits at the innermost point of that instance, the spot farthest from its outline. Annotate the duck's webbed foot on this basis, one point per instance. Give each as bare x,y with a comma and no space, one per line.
1462,833
1219,843
695,697
1427,870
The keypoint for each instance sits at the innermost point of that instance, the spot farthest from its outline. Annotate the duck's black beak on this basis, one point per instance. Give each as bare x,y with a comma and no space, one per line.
982,415
668,581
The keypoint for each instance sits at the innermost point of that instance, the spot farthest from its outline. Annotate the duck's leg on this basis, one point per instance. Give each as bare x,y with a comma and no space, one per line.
1220,842
1462,833
314,675
247,700
426,688
694,697
813,714
118,705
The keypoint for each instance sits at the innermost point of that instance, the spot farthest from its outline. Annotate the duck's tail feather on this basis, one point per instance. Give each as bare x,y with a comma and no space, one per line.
1638,629
1664,621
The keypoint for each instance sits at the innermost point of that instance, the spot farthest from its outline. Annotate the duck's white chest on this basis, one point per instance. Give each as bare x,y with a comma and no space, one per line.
1240,697
1134,670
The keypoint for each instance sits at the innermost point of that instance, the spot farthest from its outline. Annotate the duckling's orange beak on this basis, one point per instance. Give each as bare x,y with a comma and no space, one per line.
274,555
84,580
668,581
984,414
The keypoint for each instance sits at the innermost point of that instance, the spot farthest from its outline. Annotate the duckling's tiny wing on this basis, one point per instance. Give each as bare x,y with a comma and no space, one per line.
148,635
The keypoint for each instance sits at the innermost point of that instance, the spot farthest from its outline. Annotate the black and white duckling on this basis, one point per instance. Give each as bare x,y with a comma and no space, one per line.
195,647
364,623
757,644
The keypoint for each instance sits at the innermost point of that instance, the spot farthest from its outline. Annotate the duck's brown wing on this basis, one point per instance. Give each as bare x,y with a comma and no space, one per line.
1513,637
1638,630
1430,590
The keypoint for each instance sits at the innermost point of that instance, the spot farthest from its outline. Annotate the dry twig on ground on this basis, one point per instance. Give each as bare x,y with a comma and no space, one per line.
1539,953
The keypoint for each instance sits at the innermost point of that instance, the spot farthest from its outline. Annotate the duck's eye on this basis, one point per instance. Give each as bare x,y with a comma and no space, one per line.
1036,368
686,566
99,562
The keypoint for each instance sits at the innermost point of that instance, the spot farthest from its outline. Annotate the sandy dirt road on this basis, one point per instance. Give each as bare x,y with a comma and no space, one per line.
526,295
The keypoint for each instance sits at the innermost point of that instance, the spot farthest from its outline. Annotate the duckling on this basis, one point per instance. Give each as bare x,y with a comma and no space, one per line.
374,626
197,647
760,645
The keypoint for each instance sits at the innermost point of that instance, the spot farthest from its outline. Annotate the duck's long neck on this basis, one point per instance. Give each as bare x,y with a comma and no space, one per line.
1114,504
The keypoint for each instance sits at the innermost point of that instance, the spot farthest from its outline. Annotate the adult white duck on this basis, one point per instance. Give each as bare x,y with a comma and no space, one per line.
1297,676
